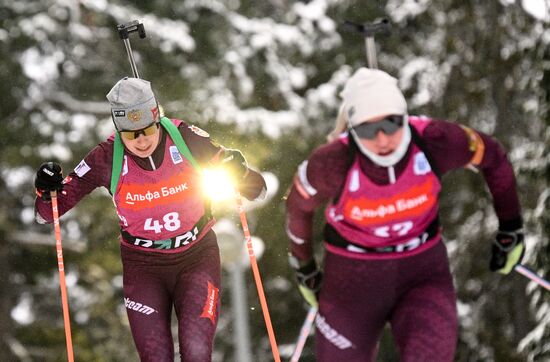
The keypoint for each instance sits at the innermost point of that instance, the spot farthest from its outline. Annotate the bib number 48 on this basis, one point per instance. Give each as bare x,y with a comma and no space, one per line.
170,222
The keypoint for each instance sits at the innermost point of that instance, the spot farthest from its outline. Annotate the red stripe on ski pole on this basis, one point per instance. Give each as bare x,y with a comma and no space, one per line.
257,278
62,283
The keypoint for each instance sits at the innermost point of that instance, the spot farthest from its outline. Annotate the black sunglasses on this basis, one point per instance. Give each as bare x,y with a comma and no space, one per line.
388,125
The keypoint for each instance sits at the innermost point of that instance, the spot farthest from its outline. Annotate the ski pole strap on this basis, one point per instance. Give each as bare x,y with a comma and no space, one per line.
118,152
175,135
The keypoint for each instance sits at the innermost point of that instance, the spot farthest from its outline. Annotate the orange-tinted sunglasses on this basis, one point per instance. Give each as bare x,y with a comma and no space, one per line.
147,131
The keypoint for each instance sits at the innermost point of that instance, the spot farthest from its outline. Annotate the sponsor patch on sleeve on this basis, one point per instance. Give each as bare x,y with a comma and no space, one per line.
475,145
199,131
82,168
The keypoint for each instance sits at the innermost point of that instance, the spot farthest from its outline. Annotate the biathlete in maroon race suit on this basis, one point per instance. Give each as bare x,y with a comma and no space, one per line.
384,259
169,252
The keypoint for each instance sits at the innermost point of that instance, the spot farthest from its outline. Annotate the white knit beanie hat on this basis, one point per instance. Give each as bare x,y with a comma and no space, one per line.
371,93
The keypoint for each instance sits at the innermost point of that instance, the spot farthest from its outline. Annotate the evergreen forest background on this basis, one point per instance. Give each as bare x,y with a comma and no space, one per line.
264,77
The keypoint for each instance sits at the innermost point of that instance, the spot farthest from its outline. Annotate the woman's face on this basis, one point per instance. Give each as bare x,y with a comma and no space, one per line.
383,143
145,143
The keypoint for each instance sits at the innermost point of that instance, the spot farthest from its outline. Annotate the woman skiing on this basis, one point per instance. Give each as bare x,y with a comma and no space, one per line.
385,261
170,256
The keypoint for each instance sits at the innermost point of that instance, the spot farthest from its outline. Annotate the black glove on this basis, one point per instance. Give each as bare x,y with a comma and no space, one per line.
507,251
236,163
49,177
309,278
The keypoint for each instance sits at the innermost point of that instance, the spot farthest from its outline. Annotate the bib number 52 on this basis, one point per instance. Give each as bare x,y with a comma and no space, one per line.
400,229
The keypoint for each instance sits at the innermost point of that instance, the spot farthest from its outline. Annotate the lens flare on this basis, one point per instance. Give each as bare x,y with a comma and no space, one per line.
217,184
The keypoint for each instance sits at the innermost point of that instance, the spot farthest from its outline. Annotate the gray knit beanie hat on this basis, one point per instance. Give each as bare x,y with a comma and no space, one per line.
133,104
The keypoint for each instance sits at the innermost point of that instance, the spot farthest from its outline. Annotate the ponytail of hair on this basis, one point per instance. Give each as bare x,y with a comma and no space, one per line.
340,125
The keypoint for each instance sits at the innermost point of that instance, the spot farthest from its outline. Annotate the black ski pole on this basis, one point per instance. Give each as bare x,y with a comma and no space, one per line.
368,31
124,31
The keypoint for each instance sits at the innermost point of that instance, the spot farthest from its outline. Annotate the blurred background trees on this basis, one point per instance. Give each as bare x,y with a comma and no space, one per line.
264,77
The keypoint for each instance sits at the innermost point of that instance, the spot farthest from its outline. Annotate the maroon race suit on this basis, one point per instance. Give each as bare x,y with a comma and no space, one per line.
169,253
384,259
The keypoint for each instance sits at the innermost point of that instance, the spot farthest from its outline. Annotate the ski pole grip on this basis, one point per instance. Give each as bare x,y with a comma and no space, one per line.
368,30
124,30
382,26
